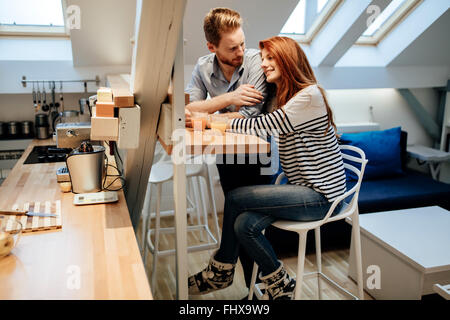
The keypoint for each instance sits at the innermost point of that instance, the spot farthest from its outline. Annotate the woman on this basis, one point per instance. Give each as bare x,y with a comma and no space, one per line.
310,158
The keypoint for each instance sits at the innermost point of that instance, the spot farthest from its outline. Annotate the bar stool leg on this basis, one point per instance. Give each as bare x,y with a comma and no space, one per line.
253,281
210,187
145,216
157,227
190,198
318,260
200,206
146,225
300,264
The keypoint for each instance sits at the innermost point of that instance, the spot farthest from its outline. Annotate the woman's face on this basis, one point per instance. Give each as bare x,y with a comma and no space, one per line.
270,67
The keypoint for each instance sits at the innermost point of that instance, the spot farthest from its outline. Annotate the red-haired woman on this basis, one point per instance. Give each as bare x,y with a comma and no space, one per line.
303,126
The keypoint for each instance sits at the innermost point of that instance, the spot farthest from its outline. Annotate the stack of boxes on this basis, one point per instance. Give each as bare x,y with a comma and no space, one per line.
116,118
104,125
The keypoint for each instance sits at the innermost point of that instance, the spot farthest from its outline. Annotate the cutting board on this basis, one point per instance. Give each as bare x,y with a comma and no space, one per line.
34,224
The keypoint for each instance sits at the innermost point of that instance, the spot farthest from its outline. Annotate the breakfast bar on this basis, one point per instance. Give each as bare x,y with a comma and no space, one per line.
94,255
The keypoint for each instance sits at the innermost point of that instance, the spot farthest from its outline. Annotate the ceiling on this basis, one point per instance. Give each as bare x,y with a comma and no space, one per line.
105,32
430,48
108,25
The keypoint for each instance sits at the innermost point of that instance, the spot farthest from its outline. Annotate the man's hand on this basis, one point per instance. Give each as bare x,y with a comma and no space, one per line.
245,95
187,115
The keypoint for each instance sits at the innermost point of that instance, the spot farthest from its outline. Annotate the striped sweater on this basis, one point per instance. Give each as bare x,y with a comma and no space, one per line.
308,156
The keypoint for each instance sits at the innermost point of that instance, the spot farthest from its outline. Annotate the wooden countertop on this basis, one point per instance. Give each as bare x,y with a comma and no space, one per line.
94,256
210,142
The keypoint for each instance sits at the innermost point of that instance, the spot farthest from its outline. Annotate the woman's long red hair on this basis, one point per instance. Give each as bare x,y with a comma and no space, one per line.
296,72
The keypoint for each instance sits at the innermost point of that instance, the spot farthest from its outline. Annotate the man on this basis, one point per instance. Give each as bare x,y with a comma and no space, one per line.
233,78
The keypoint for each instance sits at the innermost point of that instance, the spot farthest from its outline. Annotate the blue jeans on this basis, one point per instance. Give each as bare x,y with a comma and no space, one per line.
249,210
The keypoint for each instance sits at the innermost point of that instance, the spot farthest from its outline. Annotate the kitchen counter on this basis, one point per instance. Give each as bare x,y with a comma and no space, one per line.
94,256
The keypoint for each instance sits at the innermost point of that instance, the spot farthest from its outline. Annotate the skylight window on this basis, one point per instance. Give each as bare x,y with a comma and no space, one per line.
307,18
32,17
387,20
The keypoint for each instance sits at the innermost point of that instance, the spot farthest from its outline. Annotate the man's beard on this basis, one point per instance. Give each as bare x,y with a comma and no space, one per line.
231,63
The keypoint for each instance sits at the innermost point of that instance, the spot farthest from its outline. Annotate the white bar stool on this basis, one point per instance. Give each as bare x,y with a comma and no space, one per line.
163,172
302,228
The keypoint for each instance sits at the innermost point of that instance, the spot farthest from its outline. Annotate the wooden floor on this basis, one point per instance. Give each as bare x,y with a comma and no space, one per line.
334,265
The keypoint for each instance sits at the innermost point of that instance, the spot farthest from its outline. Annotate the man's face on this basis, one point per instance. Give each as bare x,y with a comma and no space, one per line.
230,50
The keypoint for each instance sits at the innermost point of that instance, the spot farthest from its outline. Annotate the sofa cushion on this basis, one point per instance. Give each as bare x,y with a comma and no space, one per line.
382,149
411,190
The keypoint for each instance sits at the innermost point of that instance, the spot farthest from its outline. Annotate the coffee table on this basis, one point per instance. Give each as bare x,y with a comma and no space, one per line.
410,248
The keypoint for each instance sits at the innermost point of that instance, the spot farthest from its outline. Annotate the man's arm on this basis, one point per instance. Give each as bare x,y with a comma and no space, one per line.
211,105
258,80
232,115
246,94
198,94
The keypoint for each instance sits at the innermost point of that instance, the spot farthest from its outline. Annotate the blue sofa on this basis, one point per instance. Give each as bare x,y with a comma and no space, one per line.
409,189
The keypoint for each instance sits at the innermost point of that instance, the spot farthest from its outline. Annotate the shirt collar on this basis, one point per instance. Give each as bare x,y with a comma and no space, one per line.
216,71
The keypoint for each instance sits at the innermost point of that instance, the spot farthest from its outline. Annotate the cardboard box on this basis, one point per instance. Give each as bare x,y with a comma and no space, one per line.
104,129
105,109
104,95
120,86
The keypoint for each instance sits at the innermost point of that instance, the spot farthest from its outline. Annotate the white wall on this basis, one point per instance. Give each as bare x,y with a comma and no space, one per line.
19,107
389,109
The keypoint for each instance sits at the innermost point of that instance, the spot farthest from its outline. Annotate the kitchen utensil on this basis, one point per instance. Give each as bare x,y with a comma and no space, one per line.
85,113
27,213
9,236
41,126
68,116
92,102
86,169
34,99
35,223
54,105
39,97
45,106
27,127
61,98
13,129
41,120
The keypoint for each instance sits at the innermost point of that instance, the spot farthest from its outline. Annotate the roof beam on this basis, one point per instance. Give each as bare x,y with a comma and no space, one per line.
424,117
310,13
411,28
382,77
398,40
345,26
158,28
